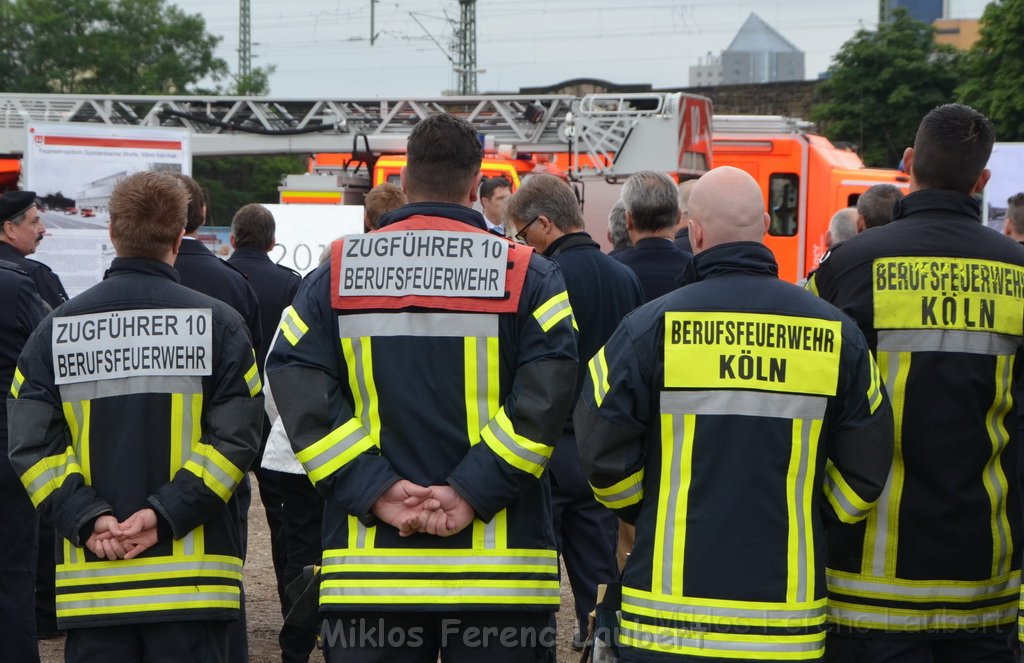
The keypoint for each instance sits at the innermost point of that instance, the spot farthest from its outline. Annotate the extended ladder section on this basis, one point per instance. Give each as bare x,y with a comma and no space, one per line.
760,124
618,134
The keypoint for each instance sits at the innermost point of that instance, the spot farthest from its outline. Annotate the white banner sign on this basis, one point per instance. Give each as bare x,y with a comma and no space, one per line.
120,344
429,263
305,231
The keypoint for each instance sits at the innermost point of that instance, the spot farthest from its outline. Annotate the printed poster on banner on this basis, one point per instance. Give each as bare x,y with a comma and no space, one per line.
305,231
1007,167
73,169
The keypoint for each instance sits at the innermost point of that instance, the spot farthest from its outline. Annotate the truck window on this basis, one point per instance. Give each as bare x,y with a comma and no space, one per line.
784,203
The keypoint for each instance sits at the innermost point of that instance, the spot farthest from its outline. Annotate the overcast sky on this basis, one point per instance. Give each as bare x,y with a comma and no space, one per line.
321,48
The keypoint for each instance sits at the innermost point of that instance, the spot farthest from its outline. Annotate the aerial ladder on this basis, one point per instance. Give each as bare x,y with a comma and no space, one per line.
605,135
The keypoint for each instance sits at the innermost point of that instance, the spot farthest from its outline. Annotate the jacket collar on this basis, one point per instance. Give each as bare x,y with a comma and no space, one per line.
937,200
656,243
147,266
753,258
192,246
9,253
570,241
250,252
447,210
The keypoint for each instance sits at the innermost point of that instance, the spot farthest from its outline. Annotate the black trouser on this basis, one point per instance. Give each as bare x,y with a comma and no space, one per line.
303,516
585,533
983,648
167,642
490,637
45,580
273,506
17,569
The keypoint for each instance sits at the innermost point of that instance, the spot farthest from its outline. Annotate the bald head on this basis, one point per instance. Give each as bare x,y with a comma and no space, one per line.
726,206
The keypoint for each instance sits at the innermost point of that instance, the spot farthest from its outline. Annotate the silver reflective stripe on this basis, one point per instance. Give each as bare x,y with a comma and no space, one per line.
51,474
1000,438
142,384
359,370
482,412
669,554
439,325
295,330
254,382
188,542
442,590
600,379
210,467
947,340
938,619
882,525
513,446
683,609
131,601
125,572
338,448
553,312
744,403
663,639
361,533
456,562
801,525
72,555
625,493
921,590
833,488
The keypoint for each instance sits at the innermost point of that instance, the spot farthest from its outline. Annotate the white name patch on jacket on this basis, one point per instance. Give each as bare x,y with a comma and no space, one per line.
432,263
143,342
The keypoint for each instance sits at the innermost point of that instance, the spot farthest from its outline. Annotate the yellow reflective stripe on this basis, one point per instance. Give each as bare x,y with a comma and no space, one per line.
516,450
252,379
359,362
149,568
292,327
599,376
895,619
147,600
335,450
553,311
993,476
624,493
673,499
882,531
19,379
218,473
846,503
703,643
445,592
721,611
391,561
875,386
48,475
812,285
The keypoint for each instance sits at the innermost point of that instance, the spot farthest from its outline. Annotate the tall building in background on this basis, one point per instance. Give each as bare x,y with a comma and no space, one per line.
922,10
757,54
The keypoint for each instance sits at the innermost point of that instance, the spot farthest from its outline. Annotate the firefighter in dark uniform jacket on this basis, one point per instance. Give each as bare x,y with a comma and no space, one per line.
22,231
204,272
252,236
652,212
602,291
731,421
134,414
23,309
423,376
935,570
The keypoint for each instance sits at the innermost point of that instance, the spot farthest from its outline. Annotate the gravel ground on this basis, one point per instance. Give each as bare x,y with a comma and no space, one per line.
264,613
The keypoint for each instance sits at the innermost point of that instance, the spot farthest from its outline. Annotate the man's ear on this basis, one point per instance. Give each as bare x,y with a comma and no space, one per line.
177,243
474,193
1008,227
629,221
983,179
401,178
231,238
767,224
696,235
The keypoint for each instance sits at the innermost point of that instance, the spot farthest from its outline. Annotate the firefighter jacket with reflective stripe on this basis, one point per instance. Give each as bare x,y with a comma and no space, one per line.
940,298
140,393
731,420
430,350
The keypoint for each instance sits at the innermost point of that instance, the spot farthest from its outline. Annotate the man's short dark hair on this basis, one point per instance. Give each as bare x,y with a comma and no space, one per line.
491,184
876,204
652,200
444,157
952,147
253,227
1015,212
147,213
550,196
196,203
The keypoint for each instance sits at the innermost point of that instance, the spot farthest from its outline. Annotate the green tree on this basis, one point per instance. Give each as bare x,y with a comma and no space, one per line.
994,68
105,47
231,182
881,84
